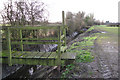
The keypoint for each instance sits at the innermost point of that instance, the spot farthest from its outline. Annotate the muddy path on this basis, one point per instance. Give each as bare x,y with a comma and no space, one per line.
107,58
106,49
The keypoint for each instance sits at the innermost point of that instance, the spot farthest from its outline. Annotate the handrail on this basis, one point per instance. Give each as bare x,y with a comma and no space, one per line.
32,28
21,42
51,38
59,47
9,48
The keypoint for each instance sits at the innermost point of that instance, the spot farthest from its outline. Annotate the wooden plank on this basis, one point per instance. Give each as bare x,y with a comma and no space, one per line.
59,47
63,17
68,56
17,42
32,55
15,53
39,54
42,61
35,61
6,37
9,49
21,45
28,53
64,27
51,59
45,59
53,55
46,55
31,61
49,54
19,55
35,55
64,33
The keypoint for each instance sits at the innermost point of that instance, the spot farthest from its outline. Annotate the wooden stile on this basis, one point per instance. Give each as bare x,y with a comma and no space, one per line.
38,58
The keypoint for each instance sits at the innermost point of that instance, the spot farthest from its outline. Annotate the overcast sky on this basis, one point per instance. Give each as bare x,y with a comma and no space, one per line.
103,10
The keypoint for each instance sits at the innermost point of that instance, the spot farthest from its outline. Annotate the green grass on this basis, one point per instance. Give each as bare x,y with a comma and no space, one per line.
90,29
112,30
112,33
83,48
101,26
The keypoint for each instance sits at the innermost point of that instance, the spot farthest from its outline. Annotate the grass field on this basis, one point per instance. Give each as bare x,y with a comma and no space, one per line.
113,30
110,34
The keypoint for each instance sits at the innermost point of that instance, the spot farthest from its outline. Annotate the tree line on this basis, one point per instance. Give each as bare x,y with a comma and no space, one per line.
25,12
78,21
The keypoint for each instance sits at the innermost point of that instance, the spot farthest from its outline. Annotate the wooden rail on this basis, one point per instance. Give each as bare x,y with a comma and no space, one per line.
21,42
36,58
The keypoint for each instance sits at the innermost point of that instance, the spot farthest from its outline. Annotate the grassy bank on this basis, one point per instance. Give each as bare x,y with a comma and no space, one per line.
83,46
110,33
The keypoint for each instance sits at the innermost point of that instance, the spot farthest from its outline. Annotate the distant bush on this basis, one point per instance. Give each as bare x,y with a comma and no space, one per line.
78,21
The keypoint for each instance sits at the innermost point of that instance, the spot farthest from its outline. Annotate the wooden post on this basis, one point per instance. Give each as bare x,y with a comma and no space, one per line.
64,31
21,45
6,36
59,46
9,48
63,20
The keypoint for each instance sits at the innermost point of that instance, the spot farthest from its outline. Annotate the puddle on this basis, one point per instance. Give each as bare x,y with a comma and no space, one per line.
108,42
103,32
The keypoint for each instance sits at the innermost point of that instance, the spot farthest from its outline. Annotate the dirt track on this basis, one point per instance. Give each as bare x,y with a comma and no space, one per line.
107,55
106,51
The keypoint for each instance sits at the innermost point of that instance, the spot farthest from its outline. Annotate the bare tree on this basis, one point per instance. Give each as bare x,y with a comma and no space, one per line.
75,21
78,21
36,11
89,19
24,12
70,22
